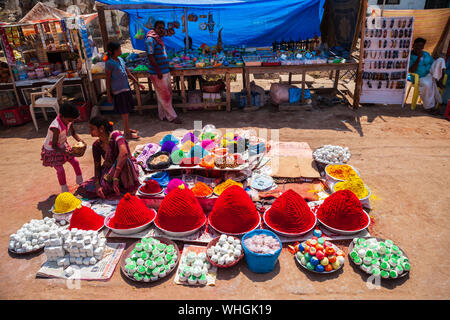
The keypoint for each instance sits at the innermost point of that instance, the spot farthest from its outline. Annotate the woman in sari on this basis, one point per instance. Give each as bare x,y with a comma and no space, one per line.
119,171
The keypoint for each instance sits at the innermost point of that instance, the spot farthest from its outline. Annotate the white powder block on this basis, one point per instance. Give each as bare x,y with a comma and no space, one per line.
69,271
11,245
53,235
66,262
87,240
36,247
98,251
72,259
73,231
60,262
79,260
230,239
86,261
83,254
75,249
79,243
92,260
98,257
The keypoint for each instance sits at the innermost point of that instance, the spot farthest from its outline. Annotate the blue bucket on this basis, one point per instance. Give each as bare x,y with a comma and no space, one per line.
258,262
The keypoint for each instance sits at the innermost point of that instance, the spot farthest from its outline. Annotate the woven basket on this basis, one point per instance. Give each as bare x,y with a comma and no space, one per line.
78,151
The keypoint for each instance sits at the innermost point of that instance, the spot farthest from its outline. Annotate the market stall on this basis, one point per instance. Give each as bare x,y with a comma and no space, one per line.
226,48
45,43
209,200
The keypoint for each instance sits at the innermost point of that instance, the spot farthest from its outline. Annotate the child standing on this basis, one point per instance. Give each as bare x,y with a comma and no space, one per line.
56,150
118,88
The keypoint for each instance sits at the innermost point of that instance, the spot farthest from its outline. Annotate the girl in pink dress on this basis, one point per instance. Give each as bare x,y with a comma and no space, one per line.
56,150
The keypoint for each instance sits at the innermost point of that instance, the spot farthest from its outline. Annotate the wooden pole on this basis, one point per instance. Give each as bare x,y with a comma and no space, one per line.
11,74
358,82
103,28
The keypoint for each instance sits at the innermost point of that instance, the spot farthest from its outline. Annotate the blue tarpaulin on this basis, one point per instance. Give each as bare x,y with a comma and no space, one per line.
252,23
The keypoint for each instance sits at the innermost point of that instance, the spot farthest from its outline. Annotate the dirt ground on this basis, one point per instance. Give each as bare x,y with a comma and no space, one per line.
402,155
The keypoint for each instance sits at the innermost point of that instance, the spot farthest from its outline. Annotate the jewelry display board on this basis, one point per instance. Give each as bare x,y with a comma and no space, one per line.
387,46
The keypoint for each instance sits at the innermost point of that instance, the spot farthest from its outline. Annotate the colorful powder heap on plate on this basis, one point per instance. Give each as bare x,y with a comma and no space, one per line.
201,189
355,185
180,212
290,214
341,171
151,186
85,218
131,212
343,211
234,212
174,184
225,185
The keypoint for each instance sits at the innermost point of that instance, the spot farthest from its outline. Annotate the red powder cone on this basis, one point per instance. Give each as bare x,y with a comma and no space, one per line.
180,211
343,211
234,212
151,186
85,218
131,212
290,214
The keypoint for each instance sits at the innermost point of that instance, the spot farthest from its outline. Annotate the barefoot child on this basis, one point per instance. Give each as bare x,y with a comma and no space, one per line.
118,88
56,150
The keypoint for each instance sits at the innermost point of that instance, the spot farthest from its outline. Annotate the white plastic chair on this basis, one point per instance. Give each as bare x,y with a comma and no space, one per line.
46,100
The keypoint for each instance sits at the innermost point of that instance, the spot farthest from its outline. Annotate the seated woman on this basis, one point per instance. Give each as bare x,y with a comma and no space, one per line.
431,73
119,171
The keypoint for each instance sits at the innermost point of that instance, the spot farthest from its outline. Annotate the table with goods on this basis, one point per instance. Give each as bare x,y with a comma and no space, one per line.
209,201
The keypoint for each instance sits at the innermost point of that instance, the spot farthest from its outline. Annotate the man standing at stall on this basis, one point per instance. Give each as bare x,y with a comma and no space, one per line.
159,72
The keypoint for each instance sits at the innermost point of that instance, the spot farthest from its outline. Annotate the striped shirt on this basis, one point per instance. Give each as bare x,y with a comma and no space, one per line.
160,54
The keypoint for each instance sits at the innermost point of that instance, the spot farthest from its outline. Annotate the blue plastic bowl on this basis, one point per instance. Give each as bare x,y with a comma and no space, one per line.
258,262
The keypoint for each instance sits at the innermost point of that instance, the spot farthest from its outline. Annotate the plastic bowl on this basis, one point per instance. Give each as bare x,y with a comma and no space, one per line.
258,262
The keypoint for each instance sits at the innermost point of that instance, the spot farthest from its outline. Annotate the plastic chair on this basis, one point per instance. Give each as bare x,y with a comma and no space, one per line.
46,100
415,84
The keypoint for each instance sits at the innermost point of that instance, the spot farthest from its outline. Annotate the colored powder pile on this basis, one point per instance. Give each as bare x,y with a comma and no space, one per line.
169,137
169,146
177,156
355,185
343,211
187,146
208,144
234,212
225,185
174,184
85,218
151,186
197,152
290,214
201,189
189,137
180,211
131,212
341,171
